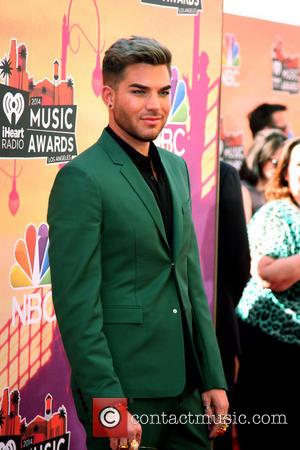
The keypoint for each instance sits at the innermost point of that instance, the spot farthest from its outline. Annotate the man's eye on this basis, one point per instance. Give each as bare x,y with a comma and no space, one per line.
138,91
165,93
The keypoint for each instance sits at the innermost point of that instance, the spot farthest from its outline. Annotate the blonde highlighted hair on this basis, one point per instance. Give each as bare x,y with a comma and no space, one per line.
278,187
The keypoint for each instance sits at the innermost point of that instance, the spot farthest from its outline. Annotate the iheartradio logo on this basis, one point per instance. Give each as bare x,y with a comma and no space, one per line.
13,104
10,445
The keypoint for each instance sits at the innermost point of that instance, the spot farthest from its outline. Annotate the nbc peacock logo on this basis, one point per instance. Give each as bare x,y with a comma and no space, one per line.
172,136
179,102
231,51
31,268
231,61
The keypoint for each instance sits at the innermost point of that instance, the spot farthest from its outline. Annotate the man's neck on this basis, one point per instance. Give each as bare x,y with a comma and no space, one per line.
139,146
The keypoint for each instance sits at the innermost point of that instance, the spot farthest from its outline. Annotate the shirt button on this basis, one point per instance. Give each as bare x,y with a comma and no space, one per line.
174,311
172,264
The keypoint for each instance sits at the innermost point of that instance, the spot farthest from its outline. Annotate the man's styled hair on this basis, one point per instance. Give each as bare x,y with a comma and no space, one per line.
261,117
278,187
135,50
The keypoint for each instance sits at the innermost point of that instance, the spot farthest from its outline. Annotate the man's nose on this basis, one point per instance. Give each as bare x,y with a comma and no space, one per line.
153,102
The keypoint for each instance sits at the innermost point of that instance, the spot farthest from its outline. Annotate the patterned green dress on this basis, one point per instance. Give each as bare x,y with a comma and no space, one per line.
273,231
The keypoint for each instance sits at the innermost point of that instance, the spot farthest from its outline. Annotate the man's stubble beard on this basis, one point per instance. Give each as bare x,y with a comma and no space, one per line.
125,125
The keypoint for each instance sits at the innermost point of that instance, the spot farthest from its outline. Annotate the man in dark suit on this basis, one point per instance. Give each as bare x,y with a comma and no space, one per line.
125,270
233,274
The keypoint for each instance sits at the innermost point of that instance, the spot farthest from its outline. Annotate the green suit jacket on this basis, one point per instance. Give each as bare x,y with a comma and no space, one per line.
116,284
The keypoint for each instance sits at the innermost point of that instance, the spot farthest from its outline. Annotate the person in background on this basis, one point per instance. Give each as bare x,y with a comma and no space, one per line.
258,168
269,313
268,115
233,274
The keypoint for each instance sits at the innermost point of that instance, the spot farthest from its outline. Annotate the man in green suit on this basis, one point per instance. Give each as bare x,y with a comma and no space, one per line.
126,279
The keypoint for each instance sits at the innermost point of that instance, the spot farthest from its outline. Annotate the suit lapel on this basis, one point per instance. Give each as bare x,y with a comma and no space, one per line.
130,172
137,182
177,206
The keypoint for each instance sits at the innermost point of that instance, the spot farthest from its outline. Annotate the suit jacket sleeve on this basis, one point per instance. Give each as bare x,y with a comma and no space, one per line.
204,335
74,218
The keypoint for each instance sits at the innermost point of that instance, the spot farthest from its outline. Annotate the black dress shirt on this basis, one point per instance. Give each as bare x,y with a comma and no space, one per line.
160,187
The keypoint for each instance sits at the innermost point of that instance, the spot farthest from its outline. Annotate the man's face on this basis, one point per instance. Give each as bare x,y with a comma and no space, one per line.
279,120
141,103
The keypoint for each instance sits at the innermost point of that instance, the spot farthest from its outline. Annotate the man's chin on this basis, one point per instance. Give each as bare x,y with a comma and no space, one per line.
149,135
145,137
143,134
149,138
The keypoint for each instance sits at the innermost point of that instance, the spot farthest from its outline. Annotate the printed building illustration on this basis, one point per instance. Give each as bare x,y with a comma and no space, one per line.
52,92
10,419
40,429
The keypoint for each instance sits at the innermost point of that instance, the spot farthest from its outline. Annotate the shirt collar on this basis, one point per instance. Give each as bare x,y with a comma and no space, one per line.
139,159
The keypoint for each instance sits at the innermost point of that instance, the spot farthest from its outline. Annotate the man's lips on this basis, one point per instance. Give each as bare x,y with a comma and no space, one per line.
151,120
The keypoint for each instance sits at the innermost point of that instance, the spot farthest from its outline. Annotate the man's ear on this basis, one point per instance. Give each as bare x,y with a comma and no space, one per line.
108,95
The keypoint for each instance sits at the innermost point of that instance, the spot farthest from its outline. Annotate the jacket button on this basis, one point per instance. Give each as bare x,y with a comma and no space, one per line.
175,311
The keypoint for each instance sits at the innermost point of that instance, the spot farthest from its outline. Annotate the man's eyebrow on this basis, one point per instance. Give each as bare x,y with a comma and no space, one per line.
165,88
138,85
141,86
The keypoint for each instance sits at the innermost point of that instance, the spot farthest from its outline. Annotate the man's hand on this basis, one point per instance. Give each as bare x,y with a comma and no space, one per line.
216,407
134,431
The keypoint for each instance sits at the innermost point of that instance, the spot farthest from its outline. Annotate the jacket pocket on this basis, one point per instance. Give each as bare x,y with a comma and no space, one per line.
123,315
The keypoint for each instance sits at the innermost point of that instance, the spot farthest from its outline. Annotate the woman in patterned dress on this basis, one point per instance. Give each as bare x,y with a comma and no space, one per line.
269,313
